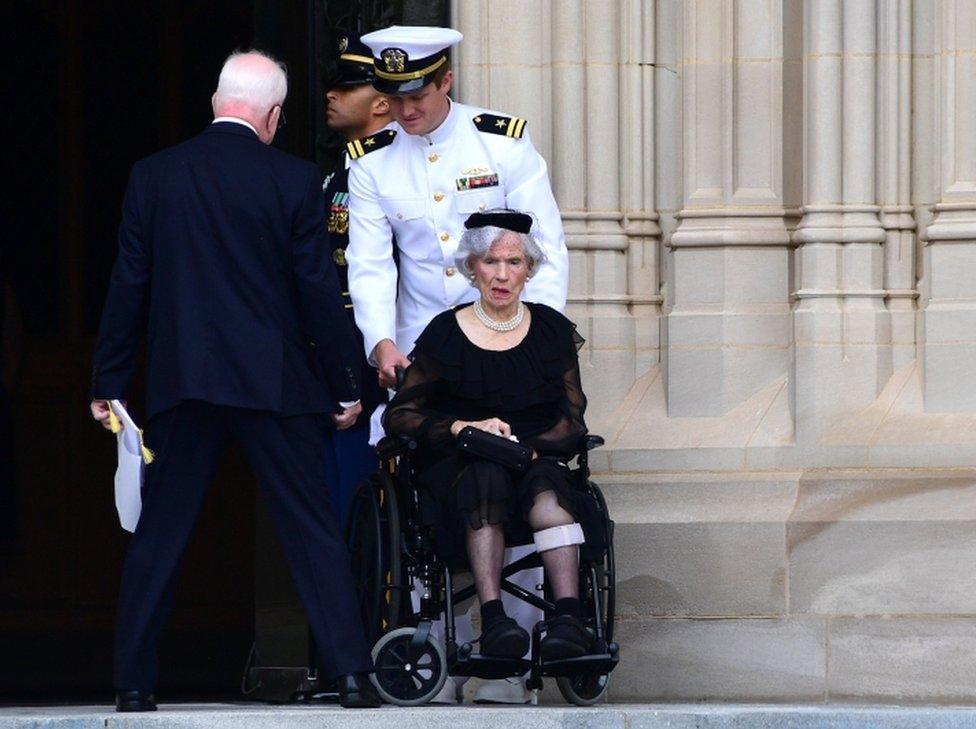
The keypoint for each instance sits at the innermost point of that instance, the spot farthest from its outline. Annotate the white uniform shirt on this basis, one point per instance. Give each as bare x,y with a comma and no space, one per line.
422,188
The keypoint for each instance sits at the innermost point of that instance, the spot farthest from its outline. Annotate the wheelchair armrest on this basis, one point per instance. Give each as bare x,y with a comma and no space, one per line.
589,442
394,445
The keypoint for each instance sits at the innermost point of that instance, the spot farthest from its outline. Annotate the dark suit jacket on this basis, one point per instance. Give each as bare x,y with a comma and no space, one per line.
225,238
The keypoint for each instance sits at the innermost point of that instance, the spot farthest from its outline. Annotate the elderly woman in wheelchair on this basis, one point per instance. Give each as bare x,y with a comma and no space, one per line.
501,379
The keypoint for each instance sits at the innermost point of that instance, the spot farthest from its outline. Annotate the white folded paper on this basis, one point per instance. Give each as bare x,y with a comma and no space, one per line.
129,474
376,431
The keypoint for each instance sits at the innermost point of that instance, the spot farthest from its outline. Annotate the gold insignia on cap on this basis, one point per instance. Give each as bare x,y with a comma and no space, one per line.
394,59
343,43
339,256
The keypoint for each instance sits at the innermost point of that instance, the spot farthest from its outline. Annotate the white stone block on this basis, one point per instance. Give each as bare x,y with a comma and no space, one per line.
735,660
695,568
902,659
952,266
869,548
948,371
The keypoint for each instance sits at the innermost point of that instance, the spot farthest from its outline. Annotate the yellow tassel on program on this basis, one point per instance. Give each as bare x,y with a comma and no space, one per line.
113,422
147,455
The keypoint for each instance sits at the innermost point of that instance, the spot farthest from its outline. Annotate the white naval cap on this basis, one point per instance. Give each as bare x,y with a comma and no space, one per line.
405,57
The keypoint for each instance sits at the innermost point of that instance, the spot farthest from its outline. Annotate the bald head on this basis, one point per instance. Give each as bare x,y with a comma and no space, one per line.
252,87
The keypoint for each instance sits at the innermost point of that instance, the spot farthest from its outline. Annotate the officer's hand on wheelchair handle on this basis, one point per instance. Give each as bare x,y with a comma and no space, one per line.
346,417
388,358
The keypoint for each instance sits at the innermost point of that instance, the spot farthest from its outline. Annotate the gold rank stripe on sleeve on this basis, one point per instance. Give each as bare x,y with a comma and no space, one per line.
359,147
506,126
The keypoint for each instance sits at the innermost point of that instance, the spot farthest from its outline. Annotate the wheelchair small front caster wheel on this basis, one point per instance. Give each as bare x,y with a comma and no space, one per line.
584,690
408,675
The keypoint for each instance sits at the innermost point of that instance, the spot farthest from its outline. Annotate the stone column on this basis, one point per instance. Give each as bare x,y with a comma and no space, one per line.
894,174
579,71
637,178
925,182
949,317
841,327
729,331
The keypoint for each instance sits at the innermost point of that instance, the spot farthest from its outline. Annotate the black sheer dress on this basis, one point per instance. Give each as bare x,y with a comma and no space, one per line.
534,387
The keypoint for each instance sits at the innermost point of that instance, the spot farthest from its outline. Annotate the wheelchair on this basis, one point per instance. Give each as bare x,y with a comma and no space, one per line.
392,554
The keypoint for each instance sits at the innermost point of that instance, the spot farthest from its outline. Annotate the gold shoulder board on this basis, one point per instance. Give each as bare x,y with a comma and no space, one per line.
506,126
364,146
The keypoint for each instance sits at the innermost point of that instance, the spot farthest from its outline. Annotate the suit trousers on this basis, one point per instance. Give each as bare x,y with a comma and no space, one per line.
292,459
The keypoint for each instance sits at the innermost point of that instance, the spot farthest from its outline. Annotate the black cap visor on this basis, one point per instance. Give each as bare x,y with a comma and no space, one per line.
349,74
388,86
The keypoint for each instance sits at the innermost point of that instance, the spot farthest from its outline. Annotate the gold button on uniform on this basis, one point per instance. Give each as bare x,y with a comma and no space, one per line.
445,236
433,157
438,196
450,271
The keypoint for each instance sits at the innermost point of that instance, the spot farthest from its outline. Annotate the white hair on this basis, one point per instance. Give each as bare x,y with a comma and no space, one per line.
476,242
244,79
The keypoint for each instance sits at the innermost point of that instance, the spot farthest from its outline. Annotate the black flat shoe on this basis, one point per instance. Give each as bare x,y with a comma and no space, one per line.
503,638
134,701
356,691
566,637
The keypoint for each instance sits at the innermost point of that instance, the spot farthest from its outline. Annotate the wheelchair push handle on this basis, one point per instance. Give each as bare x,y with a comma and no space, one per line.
592,441
401,375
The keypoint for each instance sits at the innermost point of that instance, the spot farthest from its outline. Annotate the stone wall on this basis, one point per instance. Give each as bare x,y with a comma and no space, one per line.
771,212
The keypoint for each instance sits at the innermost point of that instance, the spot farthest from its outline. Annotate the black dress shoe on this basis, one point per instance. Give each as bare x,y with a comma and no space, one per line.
356,691
503,638
566,637
134,701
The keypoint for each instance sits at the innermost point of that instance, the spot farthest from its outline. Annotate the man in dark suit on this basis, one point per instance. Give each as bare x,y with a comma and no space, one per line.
355,109
225,237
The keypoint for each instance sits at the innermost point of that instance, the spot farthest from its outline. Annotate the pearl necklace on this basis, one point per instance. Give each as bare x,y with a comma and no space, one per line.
499,326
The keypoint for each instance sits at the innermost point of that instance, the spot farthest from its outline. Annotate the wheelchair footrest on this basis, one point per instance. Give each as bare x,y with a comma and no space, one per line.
591,665
279,684
481,666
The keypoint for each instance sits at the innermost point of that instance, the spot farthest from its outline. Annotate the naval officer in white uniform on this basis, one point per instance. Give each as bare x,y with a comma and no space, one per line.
419,179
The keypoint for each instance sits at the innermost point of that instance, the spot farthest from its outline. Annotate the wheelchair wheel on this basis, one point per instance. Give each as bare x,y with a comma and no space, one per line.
408,675
607,572
373,537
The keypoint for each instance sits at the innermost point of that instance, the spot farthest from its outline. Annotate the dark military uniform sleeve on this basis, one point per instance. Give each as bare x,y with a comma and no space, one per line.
321,297
336,194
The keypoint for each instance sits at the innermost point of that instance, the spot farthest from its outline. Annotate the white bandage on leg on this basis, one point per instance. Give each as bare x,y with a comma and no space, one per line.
566,535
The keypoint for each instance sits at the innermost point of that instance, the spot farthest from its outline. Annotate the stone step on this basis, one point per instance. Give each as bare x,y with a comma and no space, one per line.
606,716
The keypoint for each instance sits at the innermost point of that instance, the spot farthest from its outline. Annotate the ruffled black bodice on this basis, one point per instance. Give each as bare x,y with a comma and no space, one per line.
534,386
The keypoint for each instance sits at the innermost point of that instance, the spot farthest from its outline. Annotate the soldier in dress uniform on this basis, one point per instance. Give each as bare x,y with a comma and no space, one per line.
419,179
355,109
